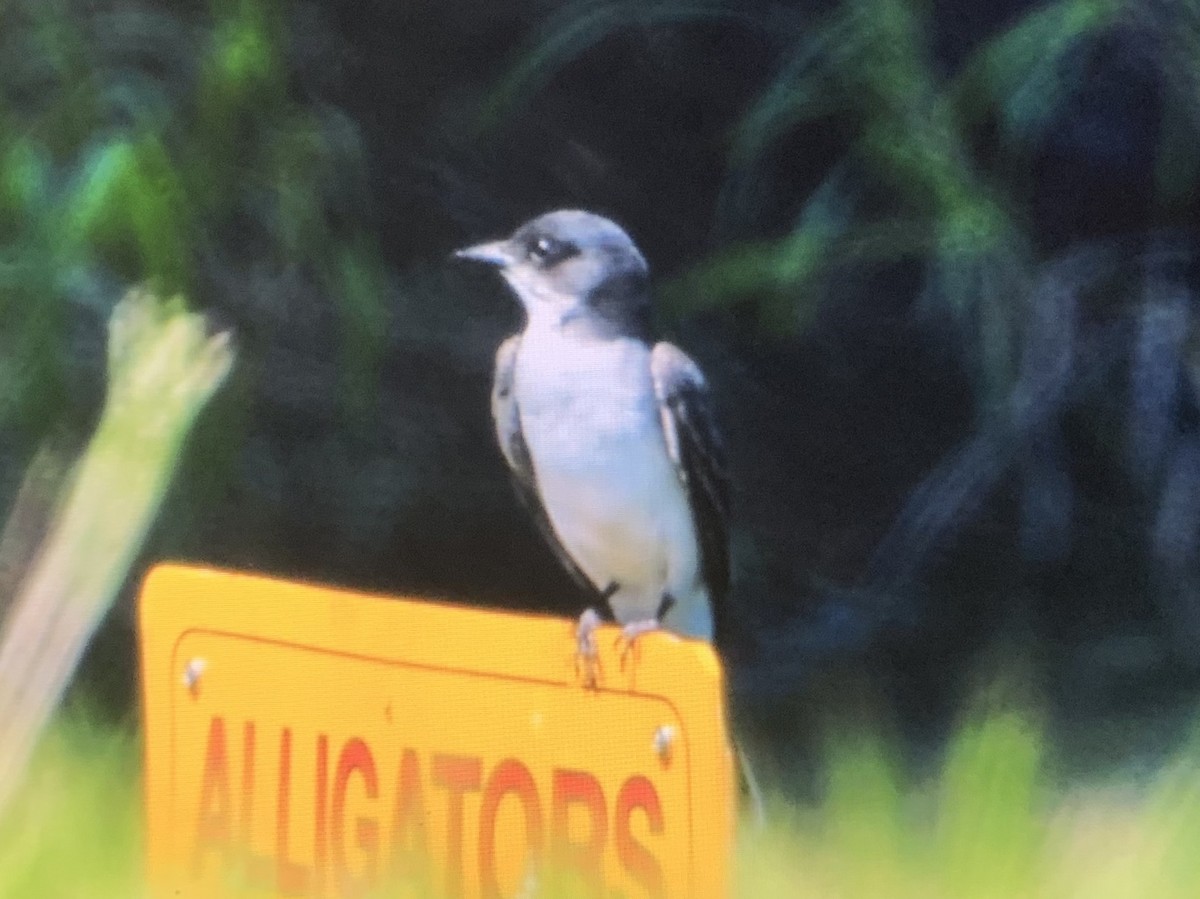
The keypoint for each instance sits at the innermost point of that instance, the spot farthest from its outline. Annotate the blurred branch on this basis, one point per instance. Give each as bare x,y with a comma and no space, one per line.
30,515
163,368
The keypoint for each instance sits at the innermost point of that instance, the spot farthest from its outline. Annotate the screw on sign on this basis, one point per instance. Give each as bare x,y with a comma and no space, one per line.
302,741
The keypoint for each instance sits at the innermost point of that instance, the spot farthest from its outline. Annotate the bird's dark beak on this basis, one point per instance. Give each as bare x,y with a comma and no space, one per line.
498,254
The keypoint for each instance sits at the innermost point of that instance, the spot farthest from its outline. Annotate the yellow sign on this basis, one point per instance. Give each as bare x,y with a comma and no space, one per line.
307,741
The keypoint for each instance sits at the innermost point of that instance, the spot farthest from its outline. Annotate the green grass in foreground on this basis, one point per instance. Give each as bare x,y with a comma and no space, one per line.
990,823
74,828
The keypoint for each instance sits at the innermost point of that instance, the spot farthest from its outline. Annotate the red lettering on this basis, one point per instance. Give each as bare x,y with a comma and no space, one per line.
355,756
578,824
257,868
320,842
581,790
213,825
510,776
457,774
409,836
292,879
638,861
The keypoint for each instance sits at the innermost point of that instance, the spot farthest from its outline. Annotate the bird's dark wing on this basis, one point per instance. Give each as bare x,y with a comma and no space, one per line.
507,419
696,449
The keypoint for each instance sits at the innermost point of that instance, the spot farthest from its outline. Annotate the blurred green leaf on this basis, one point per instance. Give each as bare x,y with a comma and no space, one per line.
25,179
575,28
359,289
76,827
1172,821
777,273
123,161
1023,72
130,196
990,807
243,61
805,89
867,816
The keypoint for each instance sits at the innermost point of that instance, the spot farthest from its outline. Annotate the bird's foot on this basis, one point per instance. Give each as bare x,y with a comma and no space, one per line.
627,643
587,659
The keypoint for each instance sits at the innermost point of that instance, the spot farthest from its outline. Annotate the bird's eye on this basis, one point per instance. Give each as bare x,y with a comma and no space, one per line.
547,251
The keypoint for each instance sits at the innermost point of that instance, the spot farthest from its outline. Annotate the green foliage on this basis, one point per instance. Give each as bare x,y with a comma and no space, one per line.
575,28
868,63
1024,75
163,367
239,96
988,815
358,279
1174,825
75,828
992,822
129,208
865,812
913,183
142,145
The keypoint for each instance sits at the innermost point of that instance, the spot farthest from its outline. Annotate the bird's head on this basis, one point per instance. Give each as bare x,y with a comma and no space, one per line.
572,265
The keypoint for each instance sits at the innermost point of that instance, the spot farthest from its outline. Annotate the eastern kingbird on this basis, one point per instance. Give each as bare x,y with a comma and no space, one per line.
610,437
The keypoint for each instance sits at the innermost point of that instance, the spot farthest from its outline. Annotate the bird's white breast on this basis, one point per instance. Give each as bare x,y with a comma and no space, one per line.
590,419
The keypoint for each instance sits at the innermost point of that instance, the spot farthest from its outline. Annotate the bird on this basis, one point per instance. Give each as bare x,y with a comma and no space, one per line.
610,436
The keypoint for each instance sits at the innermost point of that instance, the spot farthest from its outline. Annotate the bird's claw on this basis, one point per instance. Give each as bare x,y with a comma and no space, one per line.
627,643
587,658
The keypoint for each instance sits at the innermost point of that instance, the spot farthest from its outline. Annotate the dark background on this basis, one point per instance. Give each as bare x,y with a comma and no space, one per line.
936,259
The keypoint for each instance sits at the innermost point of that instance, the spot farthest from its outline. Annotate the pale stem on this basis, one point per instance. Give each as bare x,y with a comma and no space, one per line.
163,368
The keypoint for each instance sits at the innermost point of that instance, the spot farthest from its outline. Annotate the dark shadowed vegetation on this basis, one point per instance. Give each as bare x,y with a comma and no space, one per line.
938,259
